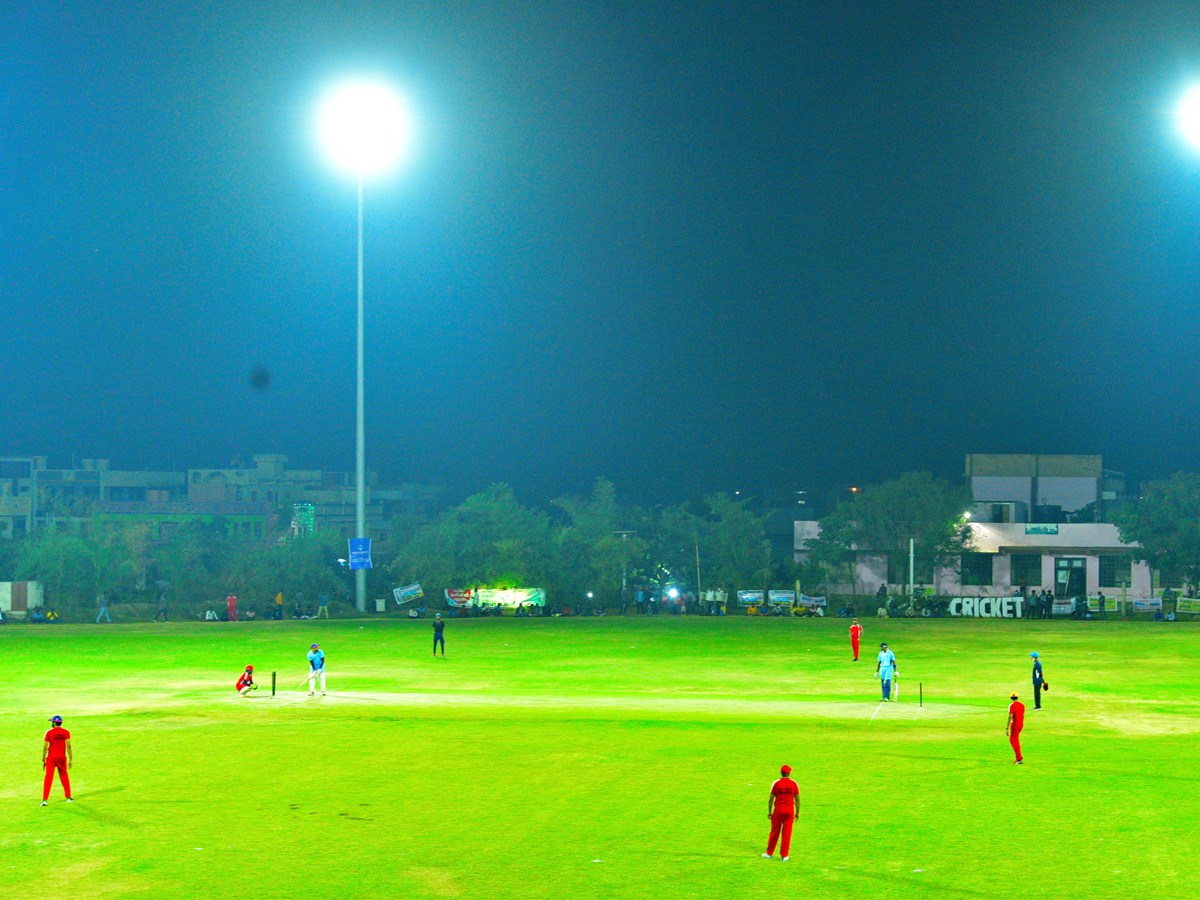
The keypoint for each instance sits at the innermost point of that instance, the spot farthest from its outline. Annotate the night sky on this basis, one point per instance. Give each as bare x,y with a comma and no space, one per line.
686,246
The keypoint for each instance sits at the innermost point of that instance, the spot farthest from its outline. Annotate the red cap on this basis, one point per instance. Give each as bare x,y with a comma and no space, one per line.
785,770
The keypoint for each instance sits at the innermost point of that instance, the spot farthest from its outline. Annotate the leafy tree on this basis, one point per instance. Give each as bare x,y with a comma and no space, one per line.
1166,523
61,560
673,534
885,517
735,542
589,554
75,565
489,540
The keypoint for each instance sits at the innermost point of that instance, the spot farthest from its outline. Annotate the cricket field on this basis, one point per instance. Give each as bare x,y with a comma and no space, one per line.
601,758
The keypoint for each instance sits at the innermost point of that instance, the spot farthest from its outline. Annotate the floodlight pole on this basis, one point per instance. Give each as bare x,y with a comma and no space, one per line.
911,582
360,481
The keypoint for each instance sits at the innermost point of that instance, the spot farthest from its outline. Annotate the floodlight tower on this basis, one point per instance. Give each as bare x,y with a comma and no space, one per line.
363,128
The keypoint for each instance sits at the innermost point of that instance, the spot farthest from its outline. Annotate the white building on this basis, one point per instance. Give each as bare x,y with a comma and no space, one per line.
1033,487
1067,559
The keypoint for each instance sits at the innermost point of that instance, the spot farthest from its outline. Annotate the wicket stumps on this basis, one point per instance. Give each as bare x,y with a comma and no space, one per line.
272,684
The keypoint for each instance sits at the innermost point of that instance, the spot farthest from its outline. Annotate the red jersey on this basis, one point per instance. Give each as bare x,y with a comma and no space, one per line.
231,601
786,792
855,632
246,679
58,737
1017,708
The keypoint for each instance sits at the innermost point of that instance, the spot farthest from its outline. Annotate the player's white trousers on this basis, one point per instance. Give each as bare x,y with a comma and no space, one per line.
313,676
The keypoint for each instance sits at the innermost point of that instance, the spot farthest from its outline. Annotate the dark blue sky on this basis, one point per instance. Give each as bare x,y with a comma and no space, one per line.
684,246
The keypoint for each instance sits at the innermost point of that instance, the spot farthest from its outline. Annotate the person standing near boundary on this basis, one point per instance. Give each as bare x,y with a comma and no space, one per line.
782,810
162,606
245,683
885,668
57,757
856,631
1038,680
316,668
323,606
1016,721
102,600
231,606
439,637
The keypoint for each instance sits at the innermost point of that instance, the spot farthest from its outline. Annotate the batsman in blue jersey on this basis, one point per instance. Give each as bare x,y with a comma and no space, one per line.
885,670
316,669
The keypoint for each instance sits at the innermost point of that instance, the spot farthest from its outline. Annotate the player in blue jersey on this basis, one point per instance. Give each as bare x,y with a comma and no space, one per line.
316,669
885,670
439,635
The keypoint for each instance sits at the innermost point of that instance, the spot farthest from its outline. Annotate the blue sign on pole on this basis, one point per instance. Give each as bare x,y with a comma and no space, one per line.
360,553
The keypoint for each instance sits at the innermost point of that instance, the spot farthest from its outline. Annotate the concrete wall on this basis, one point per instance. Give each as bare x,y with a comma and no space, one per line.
993,489
1069,493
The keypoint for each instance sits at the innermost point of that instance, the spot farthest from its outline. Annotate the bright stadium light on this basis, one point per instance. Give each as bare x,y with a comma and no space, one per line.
1188,116
363,127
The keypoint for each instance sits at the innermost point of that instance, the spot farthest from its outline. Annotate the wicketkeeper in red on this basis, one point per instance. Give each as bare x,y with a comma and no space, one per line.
245,683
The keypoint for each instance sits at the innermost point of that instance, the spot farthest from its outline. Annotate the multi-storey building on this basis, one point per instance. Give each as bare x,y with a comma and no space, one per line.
259,501
1014,550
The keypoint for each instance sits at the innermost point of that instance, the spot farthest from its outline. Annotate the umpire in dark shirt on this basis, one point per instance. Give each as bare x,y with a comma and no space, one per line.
1037,681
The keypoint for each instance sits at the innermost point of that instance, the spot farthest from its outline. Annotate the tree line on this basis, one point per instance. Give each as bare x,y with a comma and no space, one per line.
576,545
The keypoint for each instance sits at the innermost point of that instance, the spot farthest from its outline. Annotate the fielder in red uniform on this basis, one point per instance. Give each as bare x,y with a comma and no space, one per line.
231,606
782,811
57,757
1016,721
856,631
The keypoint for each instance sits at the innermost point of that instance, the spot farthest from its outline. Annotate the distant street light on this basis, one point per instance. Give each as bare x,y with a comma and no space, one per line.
363,128
1188,116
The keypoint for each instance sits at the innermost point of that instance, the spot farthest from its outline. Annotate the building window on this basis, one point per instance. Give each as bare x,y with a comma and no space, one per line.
977,569
1116,571
254,496
258,530
1026,570
1164,578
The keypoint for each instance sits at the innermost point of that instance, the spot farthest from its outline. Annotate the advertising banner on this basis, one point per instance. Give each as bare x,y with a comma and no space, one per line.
411,592
510,597
458,597
1147,604
1063,607
1186,605
750,598
781,598
1109,604
987,607
360,553
806,600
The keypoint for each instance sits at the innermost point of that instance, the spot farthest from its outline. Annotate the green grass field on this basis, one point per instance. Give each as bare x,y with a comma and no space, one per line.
622,758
